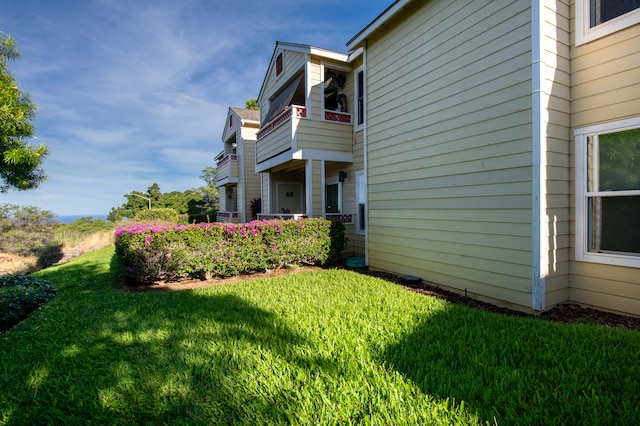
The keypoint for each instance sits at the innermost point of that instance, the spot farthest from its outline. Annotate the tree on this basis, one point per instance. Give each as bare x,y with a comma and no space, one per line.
252,104
210,194
20,162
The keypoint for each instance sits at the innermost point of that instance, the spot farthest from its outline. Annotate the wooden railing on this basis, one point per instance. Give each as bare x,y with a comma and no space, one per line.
290,111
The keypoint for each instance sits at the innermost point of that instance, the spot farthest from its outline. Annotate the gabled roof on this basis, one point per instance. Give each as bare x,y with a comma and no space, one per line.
302,48
246,114
382,19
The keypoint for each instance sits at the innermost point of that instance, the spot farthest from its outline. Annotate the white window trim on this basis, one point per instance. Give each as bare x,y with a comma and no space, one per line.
275,66
360,175
359,127
582,221
584,32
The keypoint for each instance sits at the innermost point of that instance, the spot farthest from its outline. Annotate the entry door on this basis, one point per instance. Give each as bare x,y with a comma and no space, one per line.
289,198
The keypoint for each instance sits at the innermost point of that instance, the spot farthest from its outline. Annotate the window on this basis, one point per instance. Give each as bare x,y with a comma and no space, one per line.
279,64
361,200
360,98
597,18
608,193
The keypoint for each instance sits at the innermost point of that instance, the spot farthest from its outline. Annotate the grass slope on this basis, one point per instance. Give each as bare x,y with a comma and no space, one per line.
325,347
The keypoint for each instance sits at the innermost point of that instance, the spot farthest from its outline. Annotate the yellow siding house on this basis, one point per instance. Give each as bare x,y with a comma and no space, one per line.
238,184
489,147
309,148
501,147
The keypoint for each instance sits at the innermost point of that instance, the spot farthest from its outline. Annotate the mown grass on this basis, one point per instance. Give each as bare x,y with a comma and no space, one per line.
324,347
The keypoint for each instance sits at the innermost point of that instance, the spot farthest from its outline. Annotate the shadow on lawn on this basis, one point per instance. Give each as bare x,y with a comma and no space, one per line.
151,357
523,371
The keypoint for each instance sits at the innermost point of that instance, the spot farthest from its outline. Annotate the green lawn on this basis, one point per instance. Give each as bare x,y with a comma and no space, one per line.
323,347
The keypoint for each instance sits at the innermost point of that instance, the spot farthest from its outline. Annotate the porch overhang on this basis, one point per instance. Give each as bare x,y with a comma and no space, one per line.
304,154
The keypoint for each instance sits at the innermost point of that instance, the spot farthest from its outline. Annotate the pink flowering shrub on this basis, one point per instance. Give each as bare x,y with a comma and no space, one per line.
161,250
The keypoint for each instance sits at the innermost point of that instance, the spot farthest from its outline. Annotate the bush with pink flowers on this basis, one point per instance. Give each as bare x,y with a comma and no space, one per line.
165,251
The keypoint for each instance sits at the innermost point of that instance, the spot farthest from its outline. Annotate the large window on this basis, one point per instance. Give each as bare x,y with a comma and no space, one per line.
608,193
597,18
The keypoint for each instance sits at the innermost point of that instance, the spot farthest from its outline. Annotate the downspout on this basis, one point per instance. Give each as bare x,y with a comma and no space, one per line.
540,265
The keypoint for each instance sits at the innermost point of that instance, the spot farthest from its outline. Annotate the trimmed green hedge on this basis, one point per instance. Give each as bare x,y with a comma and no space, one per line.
156,251
20,296
165,214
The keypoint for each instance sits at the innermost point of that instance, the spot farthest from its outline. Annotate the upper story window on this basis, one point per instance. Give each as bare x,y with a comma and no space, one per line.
279,64
360,85
608,193
597,18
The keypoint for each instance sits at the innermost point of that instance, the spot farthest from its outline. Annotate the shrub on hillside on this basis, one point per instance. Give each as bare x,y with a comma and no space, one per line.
25,231
156,251
20,296
164,214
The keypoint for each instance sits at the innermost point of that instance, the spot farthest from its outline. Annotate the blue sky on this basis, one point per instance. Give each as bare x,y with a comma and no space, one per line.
135,92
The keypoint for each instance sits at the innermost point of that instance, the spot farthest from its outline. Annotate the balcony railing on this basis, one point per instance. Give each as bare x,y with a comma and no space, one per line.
289,216
290,111
227,168
346,218
339,117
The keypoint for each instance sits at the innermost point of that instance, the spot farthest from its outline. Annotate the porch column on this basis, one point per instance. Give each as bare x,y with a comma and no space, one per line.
313,188
265,192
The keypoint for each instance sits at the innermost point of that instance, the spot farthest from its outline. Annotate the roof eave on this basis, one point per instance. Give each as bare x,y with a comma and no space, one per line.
383,18
302,48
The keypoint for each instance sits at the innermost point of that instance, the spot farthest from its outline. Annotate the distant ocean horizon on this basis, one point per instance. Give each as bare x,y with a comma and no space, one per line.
66,219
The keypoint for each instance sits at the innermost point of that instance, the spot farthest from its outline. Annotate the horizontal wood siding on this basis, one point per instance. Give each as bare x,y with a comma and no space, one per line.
323,135
449,147
556,87
317,89
605,87
605,82
251,182
275,142
265,193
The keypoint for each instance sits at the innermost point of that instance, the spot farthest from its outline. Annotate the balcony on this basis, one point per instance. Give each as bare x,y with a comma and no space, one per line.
227,169
294,135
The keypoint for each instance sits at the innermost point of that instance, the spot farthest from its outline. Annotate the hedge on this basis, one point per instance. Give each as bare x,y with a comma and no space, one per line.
163,251
20,296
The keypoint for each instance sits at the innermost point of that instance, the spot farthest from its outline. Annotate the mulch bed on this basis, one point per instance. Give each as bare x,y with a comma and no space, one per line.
565,312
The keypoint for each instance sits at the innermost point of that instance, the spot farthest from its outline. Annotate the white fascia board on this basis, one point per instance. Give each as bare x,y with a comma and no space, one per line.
377,23
317,154
275,161
355,54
